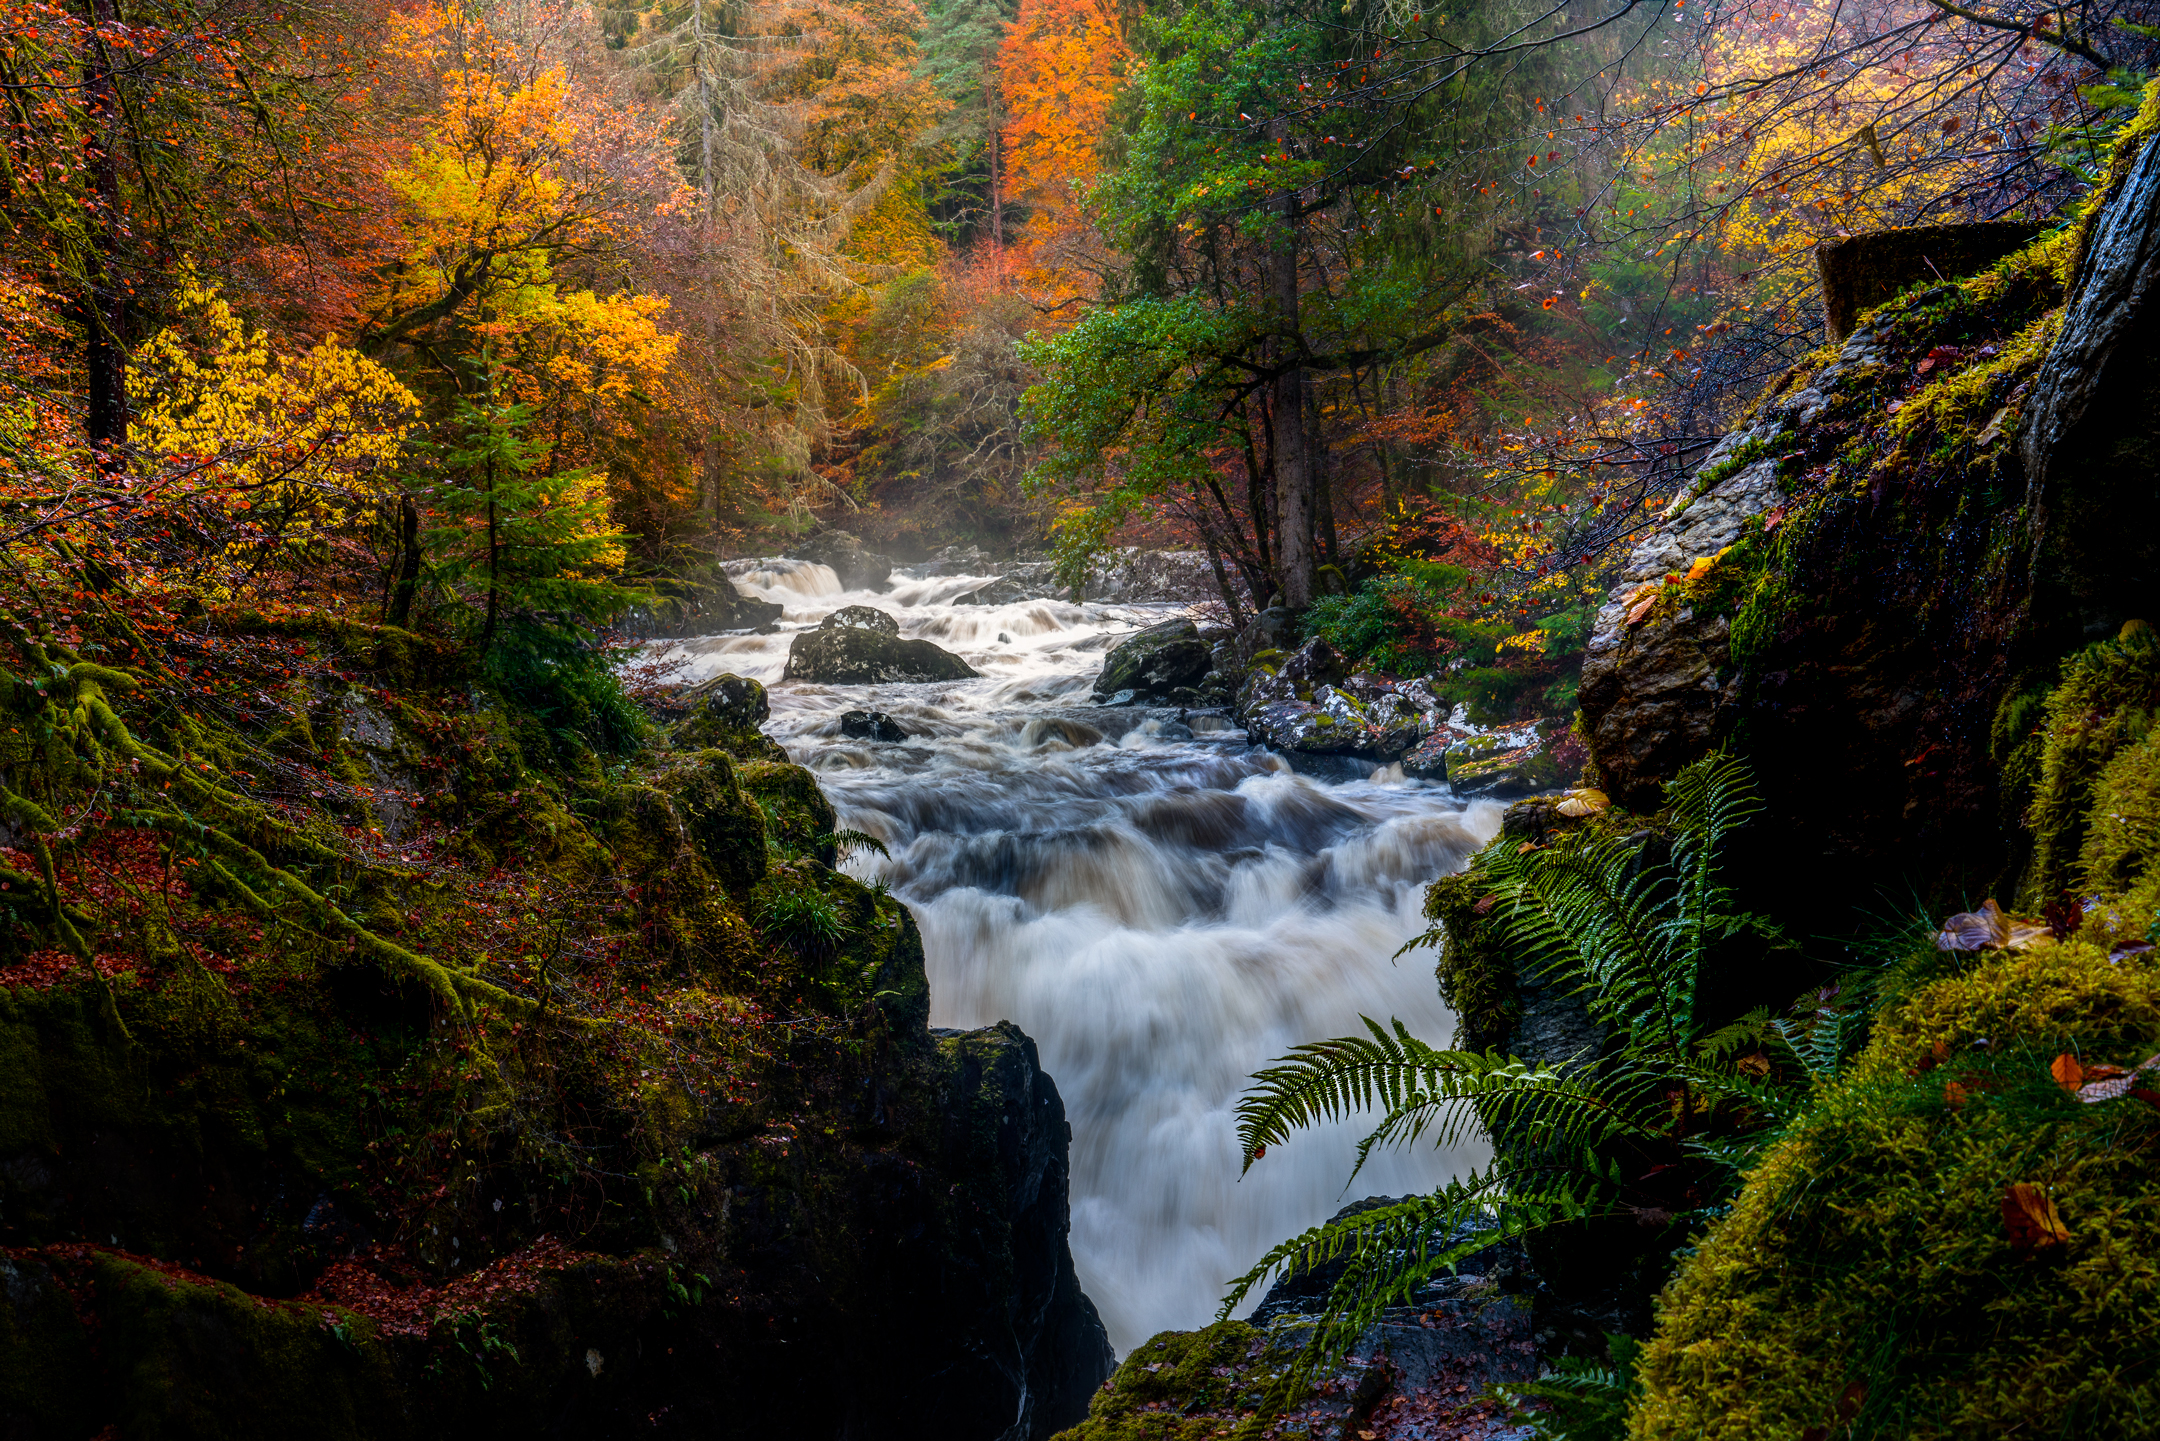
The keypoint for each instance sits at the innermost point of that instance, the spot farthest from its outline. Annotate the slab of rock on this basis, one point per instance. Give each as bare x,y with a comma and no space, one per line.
1310,705
1427,760
1154,662
861,645
1860,272
1489,771
1002,591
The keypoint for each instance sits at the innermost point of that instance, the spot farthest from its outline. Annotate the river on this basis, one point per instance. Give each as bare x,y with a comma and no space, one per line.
1163,915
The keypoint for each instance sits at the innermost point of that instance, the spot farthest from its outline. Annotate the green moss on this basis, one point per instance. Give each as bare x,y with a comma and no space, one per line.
1869,1258
1185,1386
1476,975
188,1358
798,818
2105,705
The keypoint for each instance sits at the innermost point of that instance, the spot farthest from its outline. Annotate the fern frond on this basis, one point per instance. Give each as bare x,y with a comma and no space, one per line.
850,840
1391,1251
1579,1399
1414,1086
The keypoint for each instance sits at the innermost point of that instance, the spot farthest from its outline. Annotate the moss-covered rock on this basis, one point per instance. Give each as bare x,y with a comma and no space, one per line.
525,1123
2091,809
1868,1275
1186,1386
842,651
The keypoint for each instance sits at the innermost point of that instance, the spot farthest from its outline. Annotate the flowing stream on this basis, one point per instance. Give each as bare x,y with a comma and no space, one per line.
1163,915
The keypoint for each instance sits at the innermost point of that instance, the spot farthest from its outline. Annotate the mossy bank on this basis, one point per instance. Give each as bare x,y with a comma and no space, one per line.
585,1097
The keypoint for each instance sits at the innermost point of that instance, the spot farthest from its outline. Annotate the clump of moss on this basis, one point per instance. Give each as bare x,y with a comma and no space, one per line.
2103,709
1868,1278
1186,1386
1476,974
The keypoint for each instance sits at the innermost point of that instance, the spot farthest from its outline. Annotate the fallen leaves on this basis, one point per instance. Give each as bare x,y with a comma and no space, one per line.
1988,929
1585,802
2029,1215
2099,1082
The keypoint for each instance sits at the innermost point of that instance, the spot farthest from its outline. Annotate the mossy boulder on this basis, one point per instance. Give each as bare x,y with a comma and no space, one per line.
1155,661
699,601
1860,272
1187,1386
726,711
1873,1275
638,1162
849,648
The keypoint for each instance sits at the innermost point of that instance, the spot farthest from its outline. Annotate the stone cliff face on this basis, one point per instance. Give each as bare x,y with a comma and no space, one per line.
296,1197
1870,585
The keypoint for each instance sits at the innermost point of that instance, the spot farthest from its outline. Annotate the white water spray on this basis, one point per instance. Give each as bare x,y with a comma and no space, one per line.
1163,916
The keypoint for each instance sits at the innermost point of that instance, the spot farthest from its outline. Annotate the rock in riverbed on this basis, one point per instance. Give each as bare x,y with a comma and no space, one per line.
870,725
861,645
1153,662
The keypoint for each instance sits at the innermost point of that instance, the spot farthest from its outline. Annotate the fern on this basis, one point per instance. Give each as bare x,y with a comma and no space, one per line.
1627,925
1579,1399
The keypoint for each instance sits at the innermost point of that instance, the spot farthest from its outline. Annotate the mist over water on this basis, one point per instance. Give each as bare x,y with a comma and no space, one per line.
1164,916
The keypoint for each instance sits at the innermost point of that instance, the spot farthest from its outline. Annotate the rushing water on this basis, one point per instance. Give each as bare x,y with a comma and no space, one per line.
1163,916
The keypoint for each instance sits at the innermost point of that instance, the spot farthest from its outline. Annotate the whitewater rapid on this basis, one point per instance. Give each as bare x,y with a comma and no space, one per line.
1164,916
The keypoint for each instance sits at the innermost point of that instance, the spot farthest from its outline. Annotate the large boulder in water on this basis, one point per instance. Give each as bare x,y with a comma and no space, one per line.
1153,662
858,569
861,645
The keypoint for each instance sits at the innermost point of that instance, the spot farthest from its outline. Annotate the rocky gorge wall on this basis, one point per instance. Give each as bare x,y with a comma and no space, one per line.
1871,586
721,1177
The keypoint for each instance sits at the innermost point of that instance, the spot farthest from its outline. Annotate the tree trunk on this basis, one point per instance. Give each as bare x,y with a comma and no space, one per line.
1222,579
997,187
104,301
408,581
1323,490
1293,461
487,635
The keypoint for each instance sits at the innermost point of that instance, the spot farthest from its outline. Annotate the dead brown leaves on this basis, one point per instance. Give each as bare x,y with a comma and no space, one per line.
1988,929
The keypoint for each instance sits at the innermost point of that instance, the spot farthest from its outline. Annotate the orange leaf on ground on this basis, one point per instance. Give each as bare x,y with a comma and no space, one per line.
2067,1072
2029,1215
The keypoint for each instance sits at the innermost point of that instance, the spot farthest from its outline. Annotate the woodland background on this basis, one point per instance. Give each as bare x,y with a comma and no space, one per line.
483,318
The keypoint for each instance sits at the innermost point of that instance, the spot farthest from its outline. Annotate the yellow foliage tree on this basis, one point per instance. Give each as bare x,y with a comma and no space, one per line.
290,447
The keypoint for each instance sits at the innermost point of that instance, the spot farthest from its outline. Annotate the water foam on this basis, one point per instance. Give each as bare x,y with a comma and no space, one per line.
1163,916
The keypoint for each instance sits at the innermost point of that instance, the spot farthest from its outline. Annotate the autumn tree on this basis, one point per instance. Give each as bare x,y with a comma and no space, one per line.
1060,68
1286,232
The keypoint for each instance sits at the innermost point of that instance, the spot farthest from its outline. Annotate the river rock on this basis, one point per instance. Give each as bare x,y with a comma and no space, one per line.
1156,661
1483,767
1427,760
1310,705
858,569
727,711
700,601
870,725
1002,591
861,645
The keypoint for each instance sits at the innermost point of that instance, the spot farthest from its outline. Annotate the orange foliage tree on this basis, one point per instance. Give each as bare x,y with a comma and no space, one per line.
1060,66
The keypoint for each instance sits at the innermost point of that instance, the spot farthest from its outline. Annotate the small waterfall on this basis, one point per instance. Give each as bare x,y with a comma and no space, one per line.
1164,916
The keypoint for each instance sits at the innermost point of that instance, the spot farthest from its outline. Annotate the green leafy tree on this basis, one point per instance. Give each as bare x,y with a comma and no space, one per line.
1296,227
526,561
